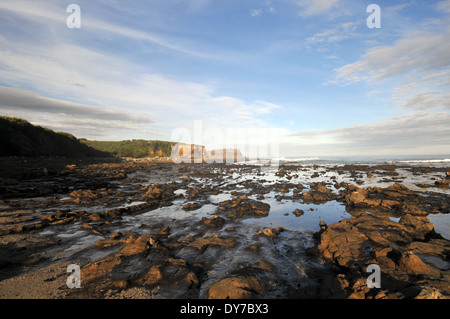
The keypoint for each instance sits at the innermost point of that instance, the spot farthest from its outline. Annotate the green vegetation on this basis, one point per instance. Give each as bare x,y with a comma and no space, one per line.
19,137
133,148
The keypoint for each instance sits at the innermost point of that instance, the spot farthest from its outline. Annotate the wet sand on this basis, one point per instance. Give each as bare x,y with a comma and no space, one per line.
153,229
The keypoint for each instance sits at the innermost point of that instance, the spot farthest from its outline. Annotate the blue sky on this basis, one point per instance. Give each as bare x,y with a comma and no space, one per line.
309,76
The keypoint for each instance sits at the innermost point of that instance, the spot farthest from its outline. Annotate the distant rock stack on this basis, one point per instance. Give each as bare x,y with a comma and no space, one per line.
192,153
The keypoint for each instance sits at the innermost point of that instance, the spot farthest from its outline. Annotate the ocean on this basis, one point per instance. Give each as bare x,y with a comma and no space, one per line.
422,160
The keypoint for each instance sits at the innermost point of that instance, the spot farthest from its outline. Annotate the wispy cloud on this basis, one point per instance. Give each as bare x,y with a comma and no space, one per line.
81,83
61,115
443,6
316,7
340,32
255,12
419,53
419,62
426,131
25,100
45,11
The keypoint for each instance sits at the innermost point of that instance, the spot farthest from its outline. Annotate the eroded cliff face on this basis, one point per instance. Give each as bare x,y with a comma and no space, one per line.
192,153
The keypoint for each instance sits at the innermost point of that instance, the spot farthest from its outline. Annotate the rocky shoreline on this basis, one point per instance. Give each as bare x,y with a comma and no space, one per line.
154,229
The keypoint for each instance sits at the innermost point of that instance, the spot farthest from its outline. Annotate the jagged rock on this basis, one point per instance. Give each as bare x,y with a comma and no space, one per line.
430,293
443,182
83,194
321,188
214,221
412,209
419,226
323,225
342,243
298,212
317,197
191,206
345,242
412,264
203,243
157,192
236,287
271,233
152,277
357,198
243,207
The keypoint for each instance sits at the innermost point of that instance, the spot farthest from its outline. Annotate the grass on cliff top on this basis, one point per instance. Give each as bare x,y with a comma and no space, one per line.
18,137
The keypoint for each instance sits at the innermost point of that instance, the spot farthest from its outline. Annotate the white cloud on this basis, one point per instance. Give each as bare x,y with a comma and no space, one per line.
400,135
61,115
316,7
443,6
266,7
332,35
373,92
424,100
419,53
241,108
73,80
44,11
420,63
255,12
26,100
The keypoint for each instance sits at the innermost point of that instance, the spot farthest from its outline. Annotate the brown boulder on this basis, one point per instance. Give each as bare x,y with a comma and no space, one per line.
412,264
191,206
101,268
298,212
412,209
214,221
156,192
203,243
83,194
430,293
321,188
437,247
236,287
357,197
152,277
398,187
419,226
316,196
389,203
342,243
359,289
443,182
271,233
243,207
137,246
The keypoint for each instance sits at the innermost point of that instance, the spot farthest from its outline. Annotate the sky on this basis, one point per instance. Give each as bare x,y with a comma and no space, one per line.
309,78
